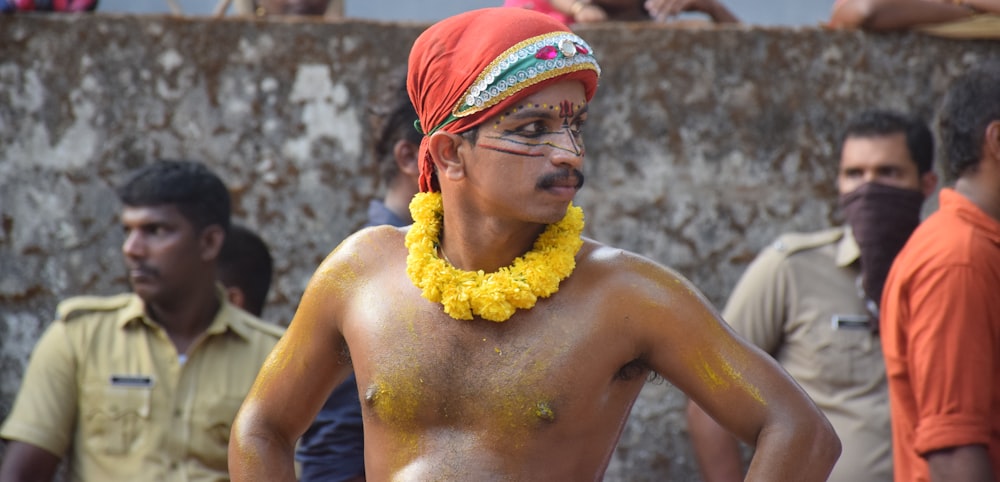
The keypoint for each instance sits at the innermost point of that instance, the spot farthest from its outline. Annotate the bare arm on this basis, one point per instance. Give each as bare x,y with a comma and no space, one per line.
661,10
26,462
888,15
970,463
294,382
984,6
739,385
716,450
581,11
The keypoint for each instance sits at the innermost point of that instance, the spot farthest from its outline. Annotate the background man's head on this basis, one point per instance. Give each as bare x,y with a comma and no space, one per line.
245,268
969,115
292,7
396,142
199,195
175,217
888,148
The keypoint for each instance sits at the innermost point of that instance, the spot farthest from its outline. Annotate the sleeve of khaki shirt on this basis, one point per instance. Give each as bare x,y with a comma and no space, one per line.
757,307
44,411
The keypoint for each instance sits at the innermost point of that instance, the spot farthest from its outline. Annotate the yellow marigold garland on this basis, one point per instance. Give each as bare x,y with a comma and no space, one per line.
492,296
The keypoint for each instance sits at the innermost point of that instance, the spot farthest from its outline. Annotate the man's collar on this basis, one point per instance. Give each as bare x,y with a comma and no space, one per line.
135,312
951,199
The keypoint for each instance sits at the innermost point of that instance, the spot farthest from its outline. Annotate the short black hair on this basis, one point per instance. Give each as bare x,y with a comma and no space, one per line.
392,120
199,195
245,262
878,122
970,105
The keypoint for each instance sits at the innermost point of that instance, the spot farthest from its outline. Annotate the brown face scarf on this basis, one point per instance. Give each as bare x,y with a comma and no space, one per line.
882,219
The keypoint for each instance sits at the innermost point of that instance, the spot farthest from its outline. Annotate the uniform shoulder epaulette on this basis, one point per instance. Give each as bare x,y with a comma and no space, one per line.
789,243
78,305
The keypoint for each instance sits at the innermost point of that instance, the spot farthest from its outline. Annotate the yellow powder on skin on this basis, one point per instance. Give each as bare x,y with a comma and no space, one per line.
730,374
737,377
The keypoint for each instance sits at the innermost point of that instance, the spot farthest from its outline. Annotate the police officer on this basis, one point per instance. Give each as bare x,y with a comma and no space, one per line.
144,385
809,299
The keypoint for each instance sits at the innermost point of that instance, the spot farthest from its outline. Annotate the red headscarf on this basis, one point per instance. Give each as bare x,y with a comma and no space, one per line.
454,61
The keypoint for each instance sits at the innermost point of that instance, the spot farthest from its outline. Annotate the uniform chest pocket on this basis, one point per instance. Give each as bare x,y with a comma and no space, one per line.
116,417
848,355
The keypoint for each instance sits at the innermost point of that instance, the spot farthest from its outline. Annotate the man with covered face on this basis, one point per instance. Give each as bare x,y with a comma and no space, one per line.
810,299
490,341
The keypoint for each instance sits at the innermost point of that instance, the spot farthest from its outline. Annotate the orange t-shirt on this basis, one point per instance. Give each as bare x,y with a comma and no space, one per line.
940,329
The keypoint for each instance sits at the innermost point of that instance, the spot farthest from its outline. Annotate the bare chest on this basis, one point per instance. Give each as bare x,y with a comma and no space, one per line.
418,367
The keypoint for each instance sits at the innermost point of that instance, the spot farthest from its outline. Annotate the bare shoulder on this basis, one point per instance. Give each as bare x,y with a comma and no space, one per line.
650,301
361,252
630,271
352,265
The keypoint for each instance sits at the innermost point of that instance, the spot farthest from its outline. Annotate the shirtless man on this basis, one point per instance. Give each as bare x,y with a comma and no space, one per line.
526,372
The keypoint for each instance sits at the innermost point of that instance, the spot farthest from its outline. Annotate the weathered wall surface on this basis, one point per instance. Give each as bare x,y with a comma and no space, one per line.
702,147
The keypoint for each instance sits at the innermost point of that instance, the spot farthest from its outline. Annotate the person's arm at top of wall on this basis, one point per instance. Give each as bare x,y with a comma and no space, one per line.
888,15
663,9
581,11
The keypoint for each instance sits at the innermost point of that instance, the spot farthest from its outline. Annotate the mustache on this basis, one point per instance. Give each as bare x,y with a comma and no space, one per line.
557,178
144,269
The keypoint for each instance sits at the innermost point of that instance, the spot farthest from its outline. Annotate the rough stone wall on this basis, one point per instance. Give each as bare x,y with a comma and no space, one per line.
703,145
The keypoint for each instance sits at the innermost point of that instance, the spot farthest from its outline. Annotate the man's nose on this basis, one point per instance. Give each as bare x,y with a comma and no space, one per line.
134,245
568,150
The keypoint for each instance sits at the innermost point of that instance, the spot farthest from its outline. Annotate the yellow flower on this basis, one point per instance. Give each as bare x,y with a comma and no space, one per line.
491,296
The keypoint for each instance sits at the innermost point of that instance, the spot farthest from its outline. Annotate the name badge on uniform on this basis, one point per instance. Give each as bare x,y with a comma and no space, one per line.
131,381
850,322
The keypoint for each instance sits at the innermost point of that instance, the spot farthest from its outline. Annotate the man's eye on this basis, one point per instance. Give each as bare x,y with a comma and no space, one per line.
534,129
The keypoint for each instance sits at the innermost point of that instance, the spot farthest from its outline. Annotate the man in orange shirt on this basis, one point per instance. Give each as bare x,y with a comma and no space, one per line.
940,312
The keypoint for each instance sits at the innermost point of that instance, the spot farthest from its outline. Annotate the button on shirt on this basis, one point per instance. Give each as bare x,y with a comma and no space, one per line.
106,383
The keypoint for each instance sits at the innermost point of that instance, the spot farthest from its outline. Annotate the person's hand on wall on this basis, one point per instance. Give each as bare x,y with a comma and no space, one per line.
662,10
585,11
887,15
979,6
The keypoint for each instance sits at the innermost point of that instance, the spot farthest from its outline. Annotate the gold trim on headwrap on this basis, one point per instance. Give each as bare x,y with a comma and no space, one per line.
525,64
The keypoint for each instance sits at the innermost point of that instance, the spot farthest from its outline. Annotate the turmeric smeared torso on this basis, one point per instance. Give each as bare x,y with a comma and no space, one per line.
543,395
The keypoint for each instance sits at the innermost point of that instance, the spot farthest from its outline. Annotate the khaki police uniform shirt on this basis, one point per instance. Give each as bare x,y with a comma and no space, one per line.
800,301
105,384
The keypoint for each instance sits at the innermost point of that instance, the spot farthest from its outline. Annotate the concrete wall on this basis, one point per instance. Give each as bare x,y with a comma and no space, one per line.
702,147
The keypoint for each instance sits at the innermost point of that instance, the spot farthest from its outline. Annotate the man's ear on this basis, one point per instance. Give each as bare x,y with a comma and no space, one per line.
444,152
210,242
928,183
991,141
405,153
235,296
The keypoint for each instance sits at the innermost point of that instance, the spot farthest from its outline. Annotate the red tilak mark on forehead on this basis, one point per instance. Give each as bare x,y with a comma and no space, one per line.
566,109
